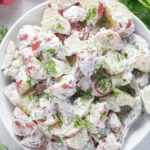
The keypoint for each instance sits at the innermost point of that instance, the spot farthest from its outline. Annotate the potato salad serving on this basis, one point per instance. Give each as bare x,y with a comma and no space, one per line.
71,77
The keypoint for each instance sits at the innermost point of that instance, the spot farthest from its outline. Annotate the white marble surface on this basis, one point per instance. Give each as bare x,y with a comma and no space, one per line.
8,15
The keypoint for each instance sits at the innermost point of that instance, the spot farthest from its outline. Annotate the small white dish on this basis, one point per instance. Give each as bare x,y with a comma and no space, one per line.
34,16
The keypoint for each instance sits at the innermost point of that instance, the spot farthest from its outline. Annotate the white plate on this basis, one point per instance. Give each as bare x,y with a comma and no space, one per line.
34,16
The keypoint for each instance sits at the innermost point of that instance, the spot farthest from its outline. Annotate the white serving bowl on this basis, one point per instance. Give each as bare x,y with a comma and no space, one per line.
34,17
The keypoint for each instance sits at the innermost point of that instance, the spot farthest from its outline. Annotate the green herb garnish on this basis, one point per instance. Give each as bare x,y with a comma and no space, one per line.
100,74
103,114
50,127
103,22
59,26
29,81
51,52
31,95
51,67
58,116
100,134
116,93
58,139
84,94
91,15
2,147
121,117
103,84
81,123
48,94
125,55
3,31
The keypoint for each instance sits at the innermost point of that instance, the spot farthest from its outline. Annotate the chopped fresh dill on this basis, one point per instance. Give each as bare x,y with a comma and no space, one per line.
84,94
103,114
3,31
91,15
29,81
59,26
48,94
58,139
103,84
100,74
51,52
51,67
116,93
81,123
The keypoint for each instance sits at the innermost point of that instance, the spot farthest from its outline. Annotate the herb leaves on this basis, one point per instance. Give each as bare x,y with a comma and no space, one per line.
3,31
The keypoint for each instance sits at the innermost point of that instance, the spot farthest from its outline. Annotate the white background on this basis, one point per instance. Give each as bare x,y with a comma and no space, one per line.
8,15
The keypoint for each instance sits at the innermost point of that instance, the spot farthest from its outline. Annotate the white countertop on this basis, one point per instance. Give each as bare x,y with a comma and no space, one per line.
8,15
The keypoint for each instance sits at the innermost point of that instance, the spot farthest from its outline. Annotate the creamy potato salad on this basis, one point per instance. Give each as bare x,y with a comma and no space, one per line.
71,76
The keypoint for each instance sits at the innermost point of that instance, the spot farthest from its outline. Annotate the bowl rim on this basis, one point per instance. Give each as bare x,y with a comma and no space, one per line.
12,28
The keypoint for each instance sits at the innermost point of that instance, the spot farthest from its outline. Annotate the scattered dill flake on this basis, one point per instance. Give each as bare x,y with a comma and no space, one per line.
100,74
104,84
120,117
58,116
115,93
2,147
99,135
3,31
31,95
29,81
83,23
136,45
51,52
91,14
81,123
125,55
51,67
118,57
59,26
50,127
48,94
84,94
103,114
58,139
103,22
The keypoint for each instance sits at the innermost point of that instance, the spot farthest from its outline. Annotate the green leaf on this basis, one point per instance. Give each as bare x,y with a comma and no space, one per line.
2,147
91,14
100,74
145,3
81,123
51,67
103,114
59,26
116,93
48,94
3,31
84,94
51,52
58,140
29,81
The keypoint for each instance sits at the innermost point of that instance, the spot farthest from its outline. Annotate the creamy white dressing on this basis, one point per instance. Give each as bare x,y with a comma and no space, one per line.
70,76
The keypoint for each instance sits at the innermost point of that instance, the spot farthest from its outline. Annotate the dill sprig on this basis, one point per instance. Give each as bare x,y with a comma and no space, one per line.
3,31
